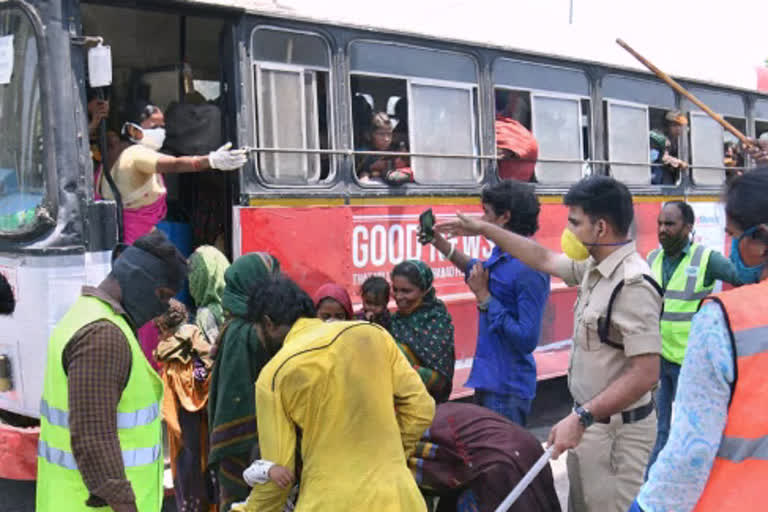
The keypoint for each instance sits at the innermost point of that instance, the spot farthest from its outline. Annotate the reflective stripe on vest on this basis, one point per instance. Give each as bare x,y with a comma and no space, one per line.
737,479
690,293
739,449
124,419
131,458
749,342
673,316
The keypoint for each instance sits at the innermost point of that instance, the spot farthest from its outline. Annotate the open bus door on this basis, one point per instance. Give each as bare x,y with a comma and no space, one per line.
55,236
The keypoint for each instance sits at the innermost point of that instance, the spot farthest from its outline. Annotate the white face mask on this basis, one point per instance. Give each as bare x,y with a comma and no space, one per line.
153,137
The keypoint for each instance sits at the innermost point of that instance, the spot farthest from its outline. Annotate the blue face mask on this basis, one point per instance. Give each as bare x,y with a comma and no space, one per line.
748,275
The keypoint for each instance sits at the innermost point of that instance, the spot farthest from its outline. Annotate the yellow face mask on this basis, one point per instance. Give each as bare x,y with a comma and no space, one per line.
572,246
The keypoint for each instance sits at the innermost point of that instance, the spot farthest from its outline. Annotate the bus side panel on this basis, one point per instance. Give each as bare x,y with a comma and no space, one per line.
347,244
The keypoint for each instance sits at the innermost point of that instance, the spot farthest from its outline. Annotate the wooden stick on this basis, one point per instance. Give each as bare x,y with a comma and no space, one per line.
679,88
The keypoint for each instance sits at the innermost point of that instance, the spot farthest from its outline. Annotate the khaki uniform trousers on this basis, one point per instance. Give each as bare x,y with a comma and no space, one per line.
605,472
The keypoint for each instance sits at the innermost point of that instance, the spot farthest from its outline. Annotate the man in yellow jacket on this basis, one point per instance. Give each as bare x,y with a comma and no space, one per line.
346,388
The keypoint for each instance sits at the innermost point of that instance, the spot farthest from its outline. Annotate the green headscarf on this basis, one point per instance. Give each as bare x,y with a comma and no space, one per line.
206,284
240,356
240,278
427,331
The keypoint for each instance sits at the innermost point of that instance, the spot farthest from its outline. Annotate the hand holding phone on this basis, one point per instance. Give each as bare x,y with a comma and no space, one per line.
426,226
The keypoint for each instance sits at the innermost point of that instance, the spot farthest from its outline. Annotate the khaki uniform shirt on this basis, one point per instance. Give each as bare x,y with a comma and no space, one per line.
634,320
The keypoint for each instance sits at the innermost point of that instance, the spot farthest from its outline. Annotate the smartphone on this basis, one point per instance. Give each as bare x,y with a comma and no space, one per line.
427,223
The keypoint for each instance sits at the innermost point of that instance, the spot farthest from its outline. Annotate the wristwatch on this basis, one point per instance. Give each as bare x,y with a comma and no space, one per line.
483,305
585,417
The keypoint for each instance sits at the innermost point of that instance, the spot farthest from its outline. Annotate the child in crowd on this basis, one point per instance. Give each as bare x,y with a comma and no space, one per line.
183,352
375,294
332,303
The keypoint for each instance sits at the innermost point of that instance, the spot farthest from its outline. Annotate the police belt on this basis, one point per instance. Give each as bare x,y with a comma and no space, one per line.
630,416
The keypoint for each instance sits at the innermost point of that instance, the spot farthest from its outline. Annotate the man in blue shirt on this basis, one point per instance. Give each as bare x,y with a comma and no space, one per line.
511,298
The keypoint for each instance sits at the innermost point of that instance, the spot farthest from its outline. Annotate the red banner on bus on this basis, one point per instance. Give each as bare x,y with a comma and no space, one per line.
346,245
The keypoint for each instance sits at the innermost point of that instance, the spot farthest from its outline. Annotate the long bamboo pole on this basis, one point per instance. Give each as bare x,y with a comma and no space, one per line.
682,90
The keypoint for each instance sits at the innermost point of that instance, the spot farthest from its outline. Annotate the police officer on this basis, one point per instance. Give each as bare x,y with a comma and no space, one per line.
687,273
616,341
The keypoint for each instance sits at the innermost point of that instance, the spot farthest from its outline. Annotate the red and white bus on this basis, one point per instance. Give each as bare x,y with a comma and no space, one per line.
285,84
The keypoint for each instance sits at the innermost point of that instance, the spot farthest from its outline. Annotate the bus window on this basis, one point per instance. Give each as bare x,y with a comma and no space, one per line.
416,100
291,73
761,129
707,156
22,179
586,134
557,125
667,128
544,127
551,106
516,147
443,122
734,159
377,127
628,135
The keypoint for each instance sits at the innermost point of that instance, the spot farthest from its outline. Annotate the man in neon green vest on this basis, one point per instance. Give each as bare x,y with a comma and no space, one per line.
100,425
687,272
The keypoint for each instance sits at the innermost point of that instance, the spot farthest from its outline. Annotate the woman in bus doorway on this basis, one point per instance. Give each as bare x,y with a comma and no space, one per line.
138,170
423,328
138,176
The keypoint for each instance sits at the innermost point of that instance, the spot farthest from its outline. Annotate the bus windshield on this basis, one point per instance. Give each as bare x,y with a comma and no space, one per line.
21,130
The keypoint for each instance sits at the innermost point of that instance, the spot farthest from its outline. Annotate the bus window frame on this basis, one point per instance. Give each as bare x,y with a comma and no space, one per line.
259,121
749,161
477,118
46,214
545,93
754,125
608,145
427,82
502,60
702,115
331,102
477,172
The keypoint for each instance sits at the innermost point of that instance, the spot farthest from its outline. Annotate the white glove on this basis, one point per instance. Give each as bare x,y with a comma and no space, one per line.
225,159
258,472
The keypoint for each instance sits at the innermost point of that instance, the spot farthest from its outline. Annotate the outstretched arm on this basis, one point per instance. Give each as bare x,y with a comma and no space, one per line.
224,159
526,250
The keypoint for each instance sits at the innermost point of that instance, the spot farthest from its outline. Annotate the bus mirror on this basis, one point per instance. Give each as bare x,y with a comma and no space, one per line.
100,66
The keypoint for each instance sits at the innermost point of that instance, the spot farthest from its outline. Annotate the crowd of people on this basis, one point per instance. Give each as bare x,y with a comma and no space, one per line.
274,398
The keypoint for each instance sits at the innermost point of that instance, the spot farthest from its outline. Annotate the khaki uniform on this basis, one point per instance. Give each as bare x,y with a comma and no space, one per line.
606,470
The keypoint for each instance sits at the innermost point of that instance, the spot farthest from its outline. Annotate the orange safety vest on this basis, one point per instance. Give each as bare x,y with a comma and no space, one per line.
738,478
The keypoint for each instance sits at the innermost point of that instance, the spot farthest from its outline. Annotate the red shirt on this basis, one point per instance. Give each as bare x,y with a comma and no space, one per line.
514,137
